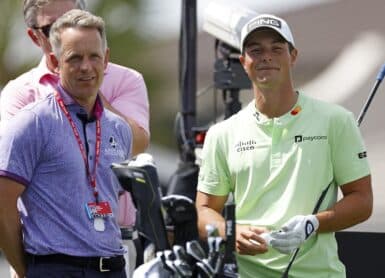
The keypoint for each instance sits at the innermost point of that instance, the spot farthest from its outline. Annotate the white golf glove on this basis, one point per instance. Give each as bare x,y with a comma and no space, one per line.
294,232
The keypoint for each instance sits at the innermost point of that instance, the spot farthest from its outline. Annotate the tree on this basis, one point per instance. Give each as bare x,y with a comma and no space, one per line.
10,8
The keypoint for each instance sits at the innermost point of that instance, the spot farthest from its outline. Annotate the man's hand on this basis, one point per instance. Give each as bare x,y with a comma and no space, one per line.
11,241
294,232
249,240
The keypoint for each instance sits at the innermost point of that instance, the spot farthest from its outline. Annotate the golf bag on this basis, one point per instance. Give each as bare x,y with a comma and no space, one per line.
140,178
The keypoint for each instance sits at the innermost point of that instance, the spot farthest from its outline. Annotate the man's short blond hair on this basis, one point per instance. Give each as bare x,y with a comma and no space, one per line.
76,19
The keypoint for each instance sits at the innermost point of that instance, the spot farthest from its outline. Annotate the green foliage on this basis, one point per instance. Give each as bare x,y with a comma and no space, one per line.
10,10
121,17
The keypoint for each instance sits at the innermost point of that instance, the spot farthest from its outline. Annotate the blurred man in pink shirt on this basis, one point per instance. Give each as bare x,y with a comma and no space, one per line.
123,90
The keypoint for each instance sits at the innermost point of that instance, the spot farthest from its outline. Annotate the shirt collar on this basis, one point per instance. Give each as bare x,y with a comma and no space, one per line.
44,73
262,119
69,101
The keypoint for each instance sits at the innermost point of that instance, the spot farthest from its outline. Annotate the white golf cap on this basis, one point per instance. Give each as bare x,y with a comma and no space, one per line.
267,21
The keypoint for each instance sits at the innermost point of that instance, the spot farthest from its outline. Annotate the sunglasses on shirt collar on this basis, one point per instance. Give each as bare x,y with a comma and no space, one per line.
45,29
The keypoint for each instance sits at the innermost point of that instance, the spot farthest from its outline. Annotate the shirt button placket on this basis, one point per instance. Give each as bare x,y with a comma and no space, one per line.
276,155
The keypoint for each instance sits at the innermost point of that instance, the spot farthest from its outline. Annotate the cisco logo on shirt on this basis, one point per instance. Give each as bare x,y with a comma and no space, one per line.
242,146
301,138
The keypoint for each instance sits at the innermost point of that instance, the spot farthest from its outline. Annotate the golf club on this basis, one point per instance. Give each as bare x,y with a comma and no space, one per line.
194,249
379,78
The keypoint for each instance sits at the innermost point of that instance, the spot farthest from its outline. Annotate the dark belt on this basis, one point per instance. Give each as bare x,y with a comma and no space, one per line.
129,233
101,264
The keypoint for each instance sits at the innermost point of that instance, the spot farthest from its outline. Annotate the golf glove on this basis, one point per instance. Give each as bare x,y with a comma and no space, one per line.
294,232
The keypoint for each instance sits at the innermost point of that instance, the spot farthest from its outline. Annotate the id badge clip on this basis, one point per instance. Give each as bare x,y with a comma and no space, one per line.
98,210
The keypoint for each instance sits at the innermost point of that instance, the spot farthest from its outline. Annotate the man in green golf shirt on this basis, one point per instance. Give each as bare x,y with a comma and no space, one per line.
276,157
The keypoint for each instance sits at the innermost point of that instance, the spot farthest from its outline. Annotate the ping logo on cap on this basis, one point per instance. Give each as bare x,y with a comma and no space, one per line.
265,21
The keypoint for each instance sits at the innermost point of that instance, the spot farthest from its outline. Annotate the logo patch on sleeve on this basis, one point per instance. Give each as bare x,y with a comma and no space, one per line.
362,155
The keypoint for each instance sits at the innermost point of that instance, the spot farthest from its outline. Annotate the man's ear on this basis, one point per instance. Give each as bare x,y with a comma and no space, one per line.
54,61
106,57
31,33
293,55
242,60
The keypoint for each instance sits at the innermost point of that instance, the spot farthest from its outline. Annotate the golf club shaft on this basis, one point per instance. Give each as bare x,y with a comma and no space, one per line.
364,109
380,77
315,210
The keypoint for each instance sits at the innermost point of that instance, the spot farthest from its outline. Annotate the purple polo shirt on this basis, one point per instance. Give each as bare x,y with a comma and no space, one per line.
40,151
124,88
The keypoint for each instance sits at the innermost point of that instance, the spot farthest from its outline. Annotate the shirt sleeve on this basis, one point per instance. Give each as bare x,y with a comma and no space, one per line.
214,176
20,151
127,211
348,151
129,94
13,98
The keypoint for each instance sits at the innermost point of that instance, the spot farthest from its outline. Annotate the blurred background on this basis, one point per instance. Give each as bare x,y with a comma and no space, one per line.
142,35
341,48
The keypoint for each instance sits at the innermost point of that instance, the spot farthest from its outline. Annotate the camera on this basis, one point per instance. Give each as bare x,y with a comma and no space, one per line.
225,22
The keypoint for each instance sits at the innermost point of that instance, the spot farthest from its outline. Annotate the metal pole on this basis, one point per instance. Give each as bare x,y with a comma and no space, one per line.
187,75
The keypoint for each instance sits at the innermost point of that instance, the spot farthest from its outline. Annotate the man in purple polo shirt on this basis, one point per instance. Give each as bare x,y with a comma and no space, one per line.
59,198
123,90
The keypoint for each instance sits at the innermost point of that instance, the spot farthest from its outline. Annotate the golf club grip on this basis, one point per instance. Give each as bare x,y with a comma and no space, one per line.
228,266
230,228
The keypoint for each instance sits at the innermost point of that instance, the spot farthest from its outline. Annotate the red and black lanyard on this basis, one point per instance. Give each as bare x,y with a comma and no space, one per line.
91,176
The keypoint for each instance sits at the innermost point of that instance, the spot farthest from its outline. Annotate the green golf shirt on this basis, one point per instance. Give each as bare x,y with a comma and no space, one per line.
277,168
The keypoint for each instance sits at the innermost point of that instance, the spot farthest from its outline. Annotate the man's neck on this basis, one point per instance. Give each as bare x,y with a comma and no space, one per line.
275,102
88,104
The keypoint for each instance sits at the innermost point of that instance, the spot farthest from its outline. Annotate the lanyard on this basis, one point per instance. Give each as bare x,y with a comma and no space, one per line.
91,176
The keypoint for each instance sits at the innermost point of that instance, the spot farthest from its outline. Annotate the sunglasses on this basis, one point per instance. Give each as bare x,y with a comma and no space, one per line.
45,29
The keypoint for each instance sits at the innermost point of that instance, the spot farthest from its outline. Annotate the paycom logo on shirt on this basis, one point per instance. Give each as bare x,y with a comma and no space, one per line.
301,138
